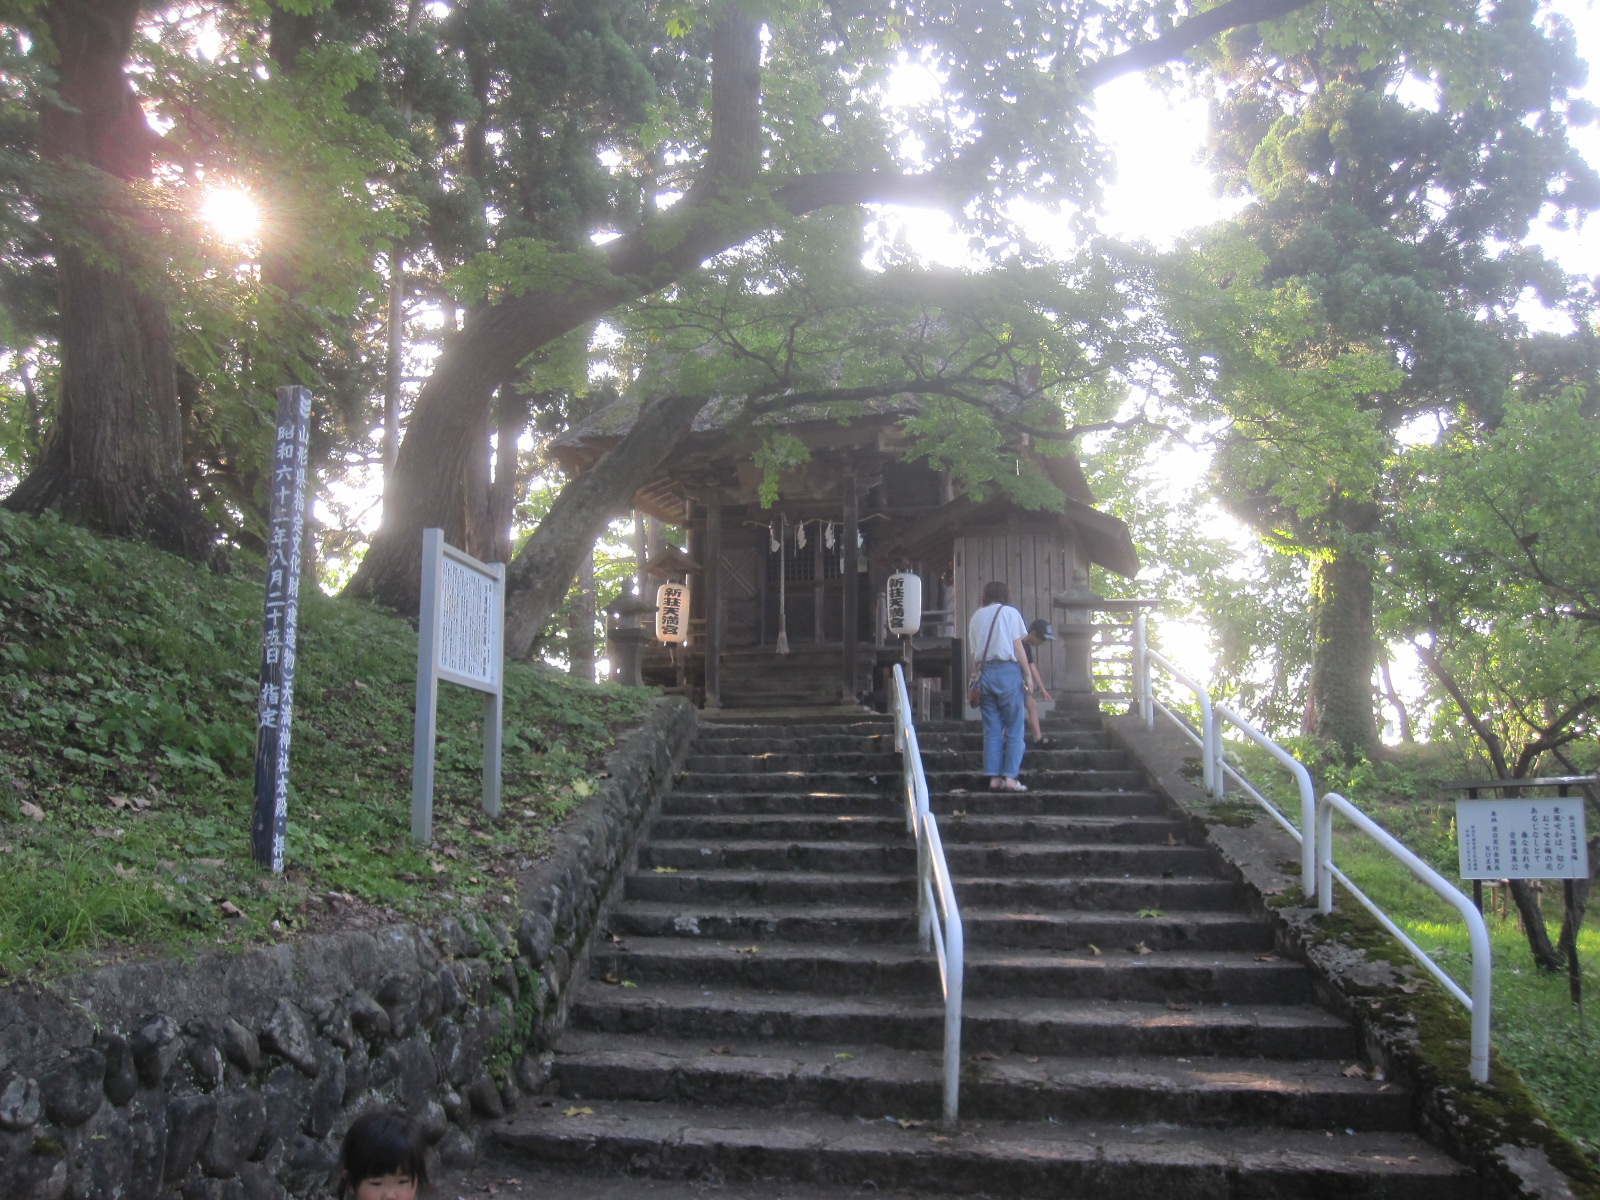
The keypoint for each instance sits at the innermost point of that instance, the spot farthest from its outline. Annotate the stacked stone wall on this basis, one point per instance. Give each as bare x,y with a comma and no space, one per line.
233,1076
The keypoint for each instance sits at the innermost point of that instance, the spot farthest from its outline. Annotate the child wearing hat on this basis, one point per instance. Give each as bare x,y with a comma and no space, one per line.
1039,633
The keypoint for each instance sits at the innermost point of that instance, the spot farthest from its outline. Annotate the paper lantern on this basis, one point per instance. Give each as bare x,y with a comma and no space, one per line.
905,603
672,612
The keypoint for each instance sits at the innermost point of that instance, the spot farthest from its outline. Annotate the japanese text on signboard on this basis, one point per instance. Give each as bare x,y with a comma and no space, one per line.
672,607
1522,839
275,701
467,609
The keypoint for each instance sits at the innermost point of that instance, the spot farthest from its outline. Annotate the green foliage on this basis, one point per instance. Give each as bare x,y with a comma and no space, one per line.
126,769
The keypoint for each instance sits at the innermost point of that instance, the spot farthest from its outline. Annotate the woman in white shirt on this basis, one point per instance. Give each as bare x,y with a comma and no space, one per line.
994,638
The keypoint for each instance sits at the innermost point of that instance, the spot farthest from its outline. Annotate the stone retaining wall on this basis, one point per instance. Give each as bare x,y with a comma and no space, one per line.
233,1076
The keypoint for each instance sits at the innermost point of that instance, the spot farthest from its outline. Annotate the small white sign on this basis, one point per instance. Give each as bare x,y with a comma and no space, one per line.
1522,839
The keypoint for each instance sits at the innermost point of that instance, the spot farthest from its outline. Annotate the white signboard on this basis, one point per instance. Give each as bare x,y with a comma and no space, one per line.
1522,839
460,639
469,610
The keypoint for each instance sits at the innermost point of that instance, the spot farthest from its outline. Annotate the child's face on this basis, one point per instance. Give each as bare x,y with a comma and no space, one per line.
394,1186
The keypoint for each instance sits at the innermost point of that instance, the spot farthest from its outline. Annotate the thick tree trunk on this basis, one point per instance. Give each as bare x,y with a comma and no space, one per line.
537,580
114,456
1344,653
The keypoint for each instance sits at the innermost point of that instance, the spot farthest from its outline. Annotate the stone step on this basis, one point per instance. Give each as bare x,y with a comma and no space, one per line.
970,740
997,1025
983,927
1210,977
799,779
740,827
870,801
876,739
779,698
1125,894
1040,779
868,1081
736,725
1033,1159
1128,895
991,858
713,740
499,1177
887,760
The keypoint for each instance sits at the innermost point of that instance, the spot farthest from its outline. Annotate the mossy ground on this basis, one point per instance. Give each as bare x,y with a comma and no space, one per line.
127,739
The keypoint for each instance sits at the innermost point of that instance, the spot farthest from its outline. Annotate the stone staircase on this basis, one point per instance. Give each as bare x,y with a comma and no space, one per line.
761,1011
758,678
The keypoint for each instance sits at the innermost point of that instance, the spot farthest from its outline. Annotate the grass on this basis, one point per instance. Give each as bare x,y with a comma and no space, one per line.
1554,1046
127,740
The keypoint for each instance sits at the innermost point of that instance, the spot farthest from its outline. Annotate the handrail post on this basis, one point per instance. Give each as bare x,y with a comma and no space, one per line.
1478,1002
1141,672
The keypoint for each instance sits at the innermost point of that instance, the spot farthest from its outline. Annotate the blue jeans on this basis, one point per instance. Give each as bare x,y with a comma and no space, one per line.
1003,713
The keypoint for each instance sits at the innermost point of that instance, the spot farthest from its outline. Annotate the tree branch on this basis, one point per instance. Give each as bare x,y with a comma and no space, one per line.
1201,27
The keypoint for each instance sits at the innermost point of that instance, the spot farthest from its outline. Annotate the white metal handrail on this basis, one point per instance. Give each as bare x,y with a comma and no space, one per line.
938,915
1302,778
1316,835
1477,1004
1215,769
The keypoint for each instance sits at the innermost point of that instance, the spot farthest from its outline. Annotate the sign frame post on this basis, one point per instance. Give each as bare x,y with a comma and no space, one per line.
1540,838
269,822
446,621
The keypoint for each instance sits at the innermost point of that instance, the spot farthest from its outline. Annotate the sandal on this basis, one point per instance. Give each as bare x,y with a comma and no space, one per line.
996,785
1012,785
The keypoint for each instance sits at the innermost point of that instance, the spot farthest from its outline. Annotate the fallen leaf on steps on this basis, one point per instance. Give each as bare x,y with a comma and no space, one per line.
575,1111
1354,1071
1094,950
665,870
722,1049
1141,948
843,1054
1177,1006
987,1056
1266,958
907,1124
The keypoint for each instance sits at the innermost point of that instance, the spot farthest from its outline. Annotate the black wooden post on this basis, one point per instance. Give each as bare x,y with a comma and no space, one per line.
275,707
713,568
852,584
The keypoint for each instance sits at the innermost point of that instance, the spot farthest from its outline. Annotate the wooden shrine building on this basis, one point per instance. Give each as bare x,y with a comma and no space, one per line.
786,603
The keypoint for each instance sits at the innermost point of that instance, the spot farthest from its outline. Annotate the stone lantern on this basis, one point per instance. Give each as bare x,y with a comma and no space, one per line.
630,629
1075,631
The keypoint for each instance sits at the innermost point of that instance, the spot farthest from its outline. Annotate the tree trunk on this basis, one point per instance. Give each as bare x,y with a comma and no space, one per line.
113,458
1344,653
537,580
580,643
1545,956
512,418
